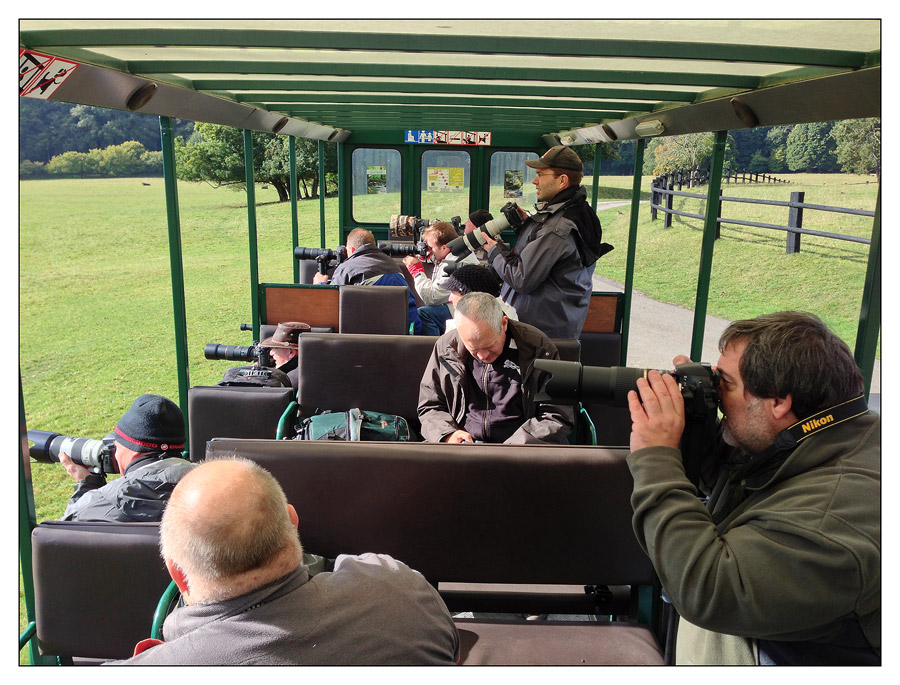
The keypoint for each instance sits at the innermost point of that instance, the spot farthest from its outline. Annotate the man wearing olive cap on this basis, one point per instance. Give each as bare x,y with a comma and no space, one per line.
149,441
547,276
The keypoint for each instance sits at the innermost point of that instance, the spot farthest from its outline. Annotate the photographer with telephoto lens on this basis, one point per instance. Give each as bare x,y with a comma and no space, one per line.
775,558
548,274
366,264
149,439
283,347
433,291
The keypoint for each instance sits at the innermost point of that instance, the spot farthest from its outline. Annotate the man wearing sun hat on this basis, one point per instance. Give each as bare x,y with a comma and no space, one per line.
548,274
149,442
283,345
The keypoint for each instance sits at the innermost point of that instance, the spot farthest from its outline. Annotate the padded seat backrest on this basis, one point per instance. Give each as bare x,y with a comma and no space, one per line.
569,350
374,309
308,269
374,372
233,412
464,513
96,586
612,424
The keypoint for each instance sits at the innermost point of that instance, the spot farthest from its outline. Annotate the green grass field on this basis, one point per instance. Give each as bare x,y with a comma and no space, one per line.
95,302
95,291
751,273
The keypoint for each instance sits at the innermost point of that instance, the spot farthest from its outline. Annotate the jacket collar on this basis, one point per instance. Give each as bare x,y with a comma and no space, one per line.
195,616
562,198
787,457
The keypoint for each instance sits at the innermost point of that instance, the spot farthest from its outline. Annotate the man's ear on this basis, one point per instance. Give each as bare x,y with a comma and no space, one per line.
781,407
178,576
567,183
293,514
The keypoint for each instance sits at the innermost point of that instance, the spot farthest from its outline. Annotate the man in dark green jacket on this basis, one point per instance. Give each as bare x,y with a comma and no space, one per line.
781,562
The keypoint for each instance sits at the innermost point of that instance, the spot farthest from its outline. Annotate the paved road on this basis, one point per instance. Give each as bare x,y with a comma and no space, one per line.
659,331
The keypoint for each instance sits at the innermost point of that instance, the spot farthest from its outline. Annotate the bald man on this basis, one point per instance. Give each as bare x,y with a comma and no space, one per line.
229,541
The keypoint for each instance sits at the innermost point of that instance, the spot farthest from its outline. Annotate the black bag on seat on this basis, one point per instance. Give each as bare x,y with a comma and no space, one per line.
255,376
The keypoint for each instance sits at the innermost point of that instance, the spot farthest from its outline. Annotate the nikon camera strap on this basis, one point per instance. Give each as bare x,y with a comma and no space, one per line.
826,418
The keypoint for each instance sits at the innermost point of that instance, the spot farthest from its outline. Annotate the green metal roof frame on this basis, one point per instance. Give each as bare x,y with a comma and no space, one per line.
579,80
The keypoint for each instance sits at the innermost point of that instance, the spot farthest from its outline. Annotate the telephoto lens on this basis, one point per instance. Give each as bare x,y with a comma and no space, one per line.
243,353
469,242
89,453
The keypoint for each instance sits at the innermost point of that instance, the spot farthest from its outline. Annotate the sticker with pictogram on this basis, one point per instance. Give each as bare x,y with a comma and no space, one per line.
40,75
448,137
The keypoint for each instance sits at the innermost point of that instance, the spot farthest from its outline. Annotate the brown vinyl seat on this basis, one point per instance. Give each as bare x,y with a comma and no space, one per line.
374,309
234,412
96,587
478,521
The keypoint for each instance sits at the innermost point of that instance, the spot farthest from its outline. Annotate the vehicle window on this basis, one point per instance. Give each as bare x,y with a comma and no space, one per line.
376,184
446,184
511,180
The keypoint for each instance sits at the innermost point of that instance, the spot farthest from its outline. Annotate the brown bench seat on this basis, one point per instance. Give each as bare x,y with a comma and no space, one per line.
476,518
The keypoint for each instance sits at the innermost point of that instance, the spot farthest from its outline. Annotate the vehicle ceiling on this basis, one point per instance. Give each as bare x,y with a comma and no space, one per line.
329,79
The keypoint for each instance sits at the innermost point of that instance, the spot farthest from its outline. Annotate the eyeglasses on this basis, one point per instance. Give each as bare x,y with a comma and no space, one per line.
547,174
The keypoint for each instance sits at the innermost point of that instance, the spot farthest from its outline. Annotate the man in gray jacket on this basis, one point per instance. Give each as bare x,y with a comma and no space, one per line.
480,382
229,540
149,441
368,265
781,562
548,274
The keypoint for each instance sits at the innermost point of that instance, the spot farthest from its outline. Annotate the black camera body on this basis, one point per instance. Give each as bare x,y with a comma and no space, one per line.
418,249
322,255
244,353
96,455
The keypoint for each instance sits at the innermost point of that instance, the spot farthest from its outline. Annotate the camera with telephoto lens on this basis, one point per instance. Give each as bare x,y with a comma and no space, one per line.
469,242
96,455
698,382
401,226
322,255
419,249
244,353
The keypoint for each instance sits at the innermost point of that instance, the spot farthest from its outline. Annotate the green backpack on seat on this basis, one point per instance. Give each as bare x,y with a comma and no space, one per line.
354,425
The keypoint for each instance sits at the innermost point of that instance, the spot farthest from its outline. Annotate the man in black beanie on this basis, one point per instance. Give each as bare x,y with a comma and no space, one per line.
149,440
471,278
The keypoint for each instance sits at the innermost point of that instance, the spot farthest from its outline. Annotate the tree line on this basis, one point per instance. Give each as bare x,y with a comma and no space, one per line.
852,146
60,139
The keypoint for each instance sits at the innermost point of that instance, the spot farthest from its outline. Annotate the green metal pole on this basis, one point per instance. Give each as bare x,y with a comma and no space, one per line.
321,193
632,243
709,241
27,522
251,230
175,263
596,185
344,190
295,222
870,310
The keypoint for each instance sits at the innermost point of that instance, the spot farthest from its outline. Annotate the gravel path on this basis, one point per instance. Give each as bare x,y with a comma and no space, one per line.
659,331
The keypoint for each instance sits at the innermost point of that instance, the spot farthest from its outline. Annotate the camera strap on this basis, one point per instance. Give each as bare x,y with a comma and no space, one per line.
792,436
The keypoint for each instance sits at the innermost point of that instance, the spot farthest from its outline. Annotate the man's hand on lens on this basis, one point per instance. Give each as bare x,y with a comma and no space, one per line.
77,471
658,414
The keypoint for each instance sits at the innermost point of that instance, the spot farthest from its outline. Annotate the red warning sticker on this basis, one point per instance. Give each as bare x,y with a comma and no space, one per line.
40,75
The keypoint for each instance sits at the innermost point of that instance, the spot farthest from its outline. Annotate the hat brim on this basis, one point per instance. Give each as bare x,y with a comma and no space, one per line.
541,164
268,342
